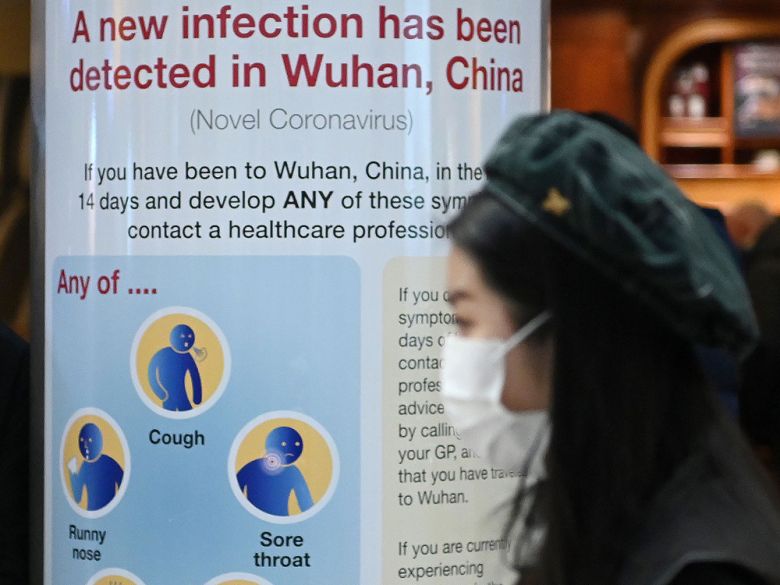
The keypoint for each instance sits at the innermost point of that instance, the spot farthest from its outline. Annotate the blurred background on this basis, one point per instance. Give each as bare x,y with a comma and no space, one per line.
698,80
15,165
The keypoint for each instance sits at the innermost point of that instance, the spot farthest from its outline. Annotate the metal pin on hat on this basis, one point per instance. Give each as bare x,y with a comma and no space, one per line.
556,203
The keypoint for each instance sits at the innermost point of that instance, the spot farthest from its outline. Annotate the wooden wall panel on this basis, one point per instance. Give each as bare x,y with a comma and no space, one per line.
591,62
14,37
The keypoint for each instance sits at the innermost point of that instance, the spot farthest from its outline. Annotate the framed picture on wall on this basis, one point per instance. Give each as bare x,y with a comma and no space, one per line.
757,90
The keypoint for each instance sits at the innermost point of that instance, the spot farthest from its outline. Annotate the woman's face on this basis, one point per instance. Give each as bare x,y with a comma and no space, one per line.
483,313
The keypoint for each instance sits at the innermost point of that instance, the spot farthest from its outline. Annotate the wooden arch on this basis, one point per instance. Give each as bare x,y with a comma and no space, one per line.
675,47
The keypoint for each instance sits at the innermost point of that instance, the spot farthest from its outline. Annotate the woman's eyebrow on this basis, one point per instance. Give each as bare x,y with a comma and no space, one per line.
457,295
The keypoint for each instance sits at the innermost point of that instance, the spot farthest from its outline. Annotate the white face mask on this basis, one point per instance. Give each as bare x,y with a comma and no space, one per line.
473,377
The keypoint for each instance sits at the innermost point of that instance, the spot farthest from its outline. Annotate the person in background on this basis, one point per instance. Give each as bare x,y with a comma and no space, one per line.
14,457
757,232
582,280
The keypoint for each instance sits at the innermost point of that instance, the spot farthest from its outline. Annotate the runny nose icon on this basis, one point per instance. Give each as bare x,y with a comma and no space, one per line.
97,478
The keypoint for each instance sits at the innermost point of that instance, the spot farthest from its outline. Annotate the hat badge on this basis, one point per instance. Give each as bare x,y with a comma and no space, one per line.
556,203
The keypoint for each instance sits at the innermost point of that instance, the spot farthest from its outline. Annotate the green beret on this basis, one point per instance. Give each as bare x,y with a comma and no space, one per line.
598,195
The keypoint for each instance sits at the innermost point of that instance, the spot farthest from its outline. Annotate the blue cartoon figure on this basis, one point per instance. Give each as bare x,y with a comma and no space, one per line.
168,370
268,482
99,473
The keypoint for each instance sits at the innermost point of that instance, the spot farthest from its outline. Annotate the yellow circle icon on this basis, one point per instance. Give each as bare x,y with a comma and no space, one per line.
114,577
180,362
115,580
237,579
283,467
95,463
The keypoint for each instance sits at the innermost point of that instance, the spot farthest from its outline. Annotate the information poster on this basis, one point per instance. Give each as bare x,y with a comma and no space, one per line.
757,89
246,210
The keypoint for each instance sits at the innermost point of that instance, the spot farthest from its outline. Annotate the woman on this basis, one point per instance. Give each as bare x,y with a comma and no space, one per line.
582,279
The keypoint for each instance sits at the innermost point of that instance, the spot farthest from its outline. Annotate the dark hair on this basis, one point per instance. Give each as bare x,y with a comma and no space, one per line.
629,401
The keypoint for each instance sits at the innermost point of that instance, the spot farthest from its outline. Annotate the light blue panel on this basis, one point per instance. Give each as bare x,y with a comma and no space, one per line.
293,327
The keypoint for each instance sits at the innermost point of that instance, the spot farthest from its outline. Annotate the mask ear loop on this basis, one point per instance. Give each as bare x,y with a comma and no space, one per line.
525,331
523,541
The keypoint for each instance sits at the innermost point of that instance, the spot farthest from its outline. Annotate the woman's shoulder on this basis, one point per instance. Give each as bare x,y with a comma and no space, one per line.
716,506
717,574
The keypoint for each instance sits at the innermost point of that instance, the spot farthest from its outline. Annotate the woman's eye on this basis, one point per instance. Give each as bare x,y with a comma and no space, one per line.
463,324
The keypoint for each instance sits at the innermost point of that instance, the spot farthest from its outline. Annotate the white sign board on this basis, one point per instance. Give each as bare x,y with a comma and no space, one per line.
246,208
